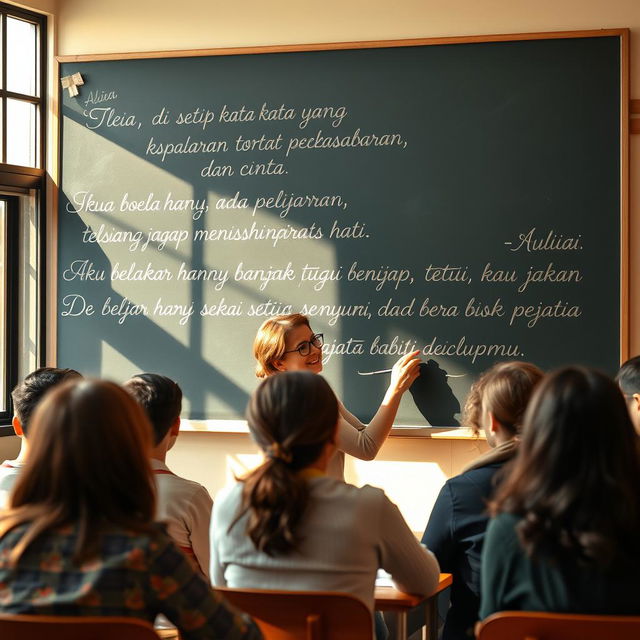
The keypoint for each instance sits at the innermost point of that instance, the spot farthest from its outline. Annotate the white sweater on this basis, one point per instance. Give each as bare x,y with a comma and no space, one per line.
347,534
185,506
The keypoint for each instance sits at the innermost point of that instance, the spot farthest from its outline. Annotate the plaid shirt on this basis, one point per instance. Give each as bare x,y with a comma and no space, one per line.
135,575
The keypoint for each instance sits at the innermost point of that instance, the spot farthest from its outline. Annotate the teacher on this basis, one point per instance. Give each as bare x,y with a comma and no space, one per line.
287,343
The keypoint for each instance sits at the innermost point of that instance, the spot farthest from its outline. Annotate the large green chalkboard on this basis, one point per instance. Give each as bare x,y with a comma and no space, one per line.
463,198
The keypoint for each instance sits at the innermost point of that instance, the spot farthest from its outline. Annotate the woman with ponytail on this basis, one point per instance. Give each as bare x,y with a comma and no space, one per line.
287,525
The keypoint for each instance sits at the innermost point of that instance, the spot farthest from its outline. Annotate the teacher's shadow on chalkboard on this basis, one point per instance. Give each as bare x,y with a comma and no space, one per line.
433,396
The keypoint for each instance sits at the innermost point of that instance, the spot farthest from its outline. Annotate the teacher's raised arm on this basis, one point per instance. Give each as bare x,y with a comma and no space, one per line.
287,343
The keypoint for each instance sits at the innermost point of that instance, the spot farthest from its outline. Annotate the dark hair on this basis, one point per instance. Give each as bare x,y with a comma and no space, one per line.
292,416
88,466
628,377
160,397
30,391
576,477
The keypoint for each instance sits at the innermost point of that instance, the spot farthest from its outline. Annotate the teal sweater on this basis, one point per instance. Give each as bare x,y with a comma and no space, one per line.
511,580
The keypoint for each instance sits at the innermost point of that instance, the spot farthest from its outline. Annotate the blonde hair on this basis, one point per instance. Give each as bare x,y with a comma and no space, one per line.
270,341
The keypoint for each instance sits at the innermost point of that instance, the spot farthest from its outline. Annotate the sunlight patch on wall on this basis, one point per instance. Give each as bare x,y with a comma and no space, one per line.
413,486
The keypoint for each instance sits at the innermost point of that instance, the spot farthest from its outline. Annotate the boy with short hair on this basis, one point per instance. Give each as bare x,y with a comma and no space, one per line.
628,379
184,505
26,396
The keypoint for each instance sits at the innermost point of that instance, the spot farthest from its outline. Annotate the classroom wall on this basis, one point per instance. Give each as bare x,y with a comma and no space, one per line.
43,6
410,470
9,447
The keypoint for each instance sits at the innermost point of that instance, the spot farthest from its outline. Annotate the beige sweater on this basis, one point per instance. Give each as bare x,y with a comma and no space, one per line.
359,440
347,534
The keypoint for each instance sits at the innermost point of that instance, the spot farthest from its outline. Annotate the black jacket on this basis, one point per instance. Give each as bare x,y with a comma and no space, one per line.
455,534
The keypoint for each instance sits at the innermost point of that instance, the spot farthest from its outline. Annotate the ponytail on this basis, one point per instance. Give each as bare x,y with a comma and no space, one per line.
276,498
292,417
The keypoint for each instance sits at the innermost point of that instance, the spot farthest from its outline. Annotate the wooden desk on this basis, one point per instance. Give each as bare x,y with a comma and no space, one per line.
390,599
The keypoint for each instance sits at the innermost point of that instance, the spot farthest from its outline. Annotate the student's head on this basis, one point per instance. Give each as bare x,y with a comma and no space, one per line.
628,380
161,398
575,479
287,343
293,419
504,392
88,465
31,390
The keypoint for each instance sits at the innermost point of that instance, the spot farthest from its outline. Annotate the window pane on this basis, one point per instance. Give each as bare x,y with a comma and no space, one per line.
22,67
3,308
27,317
22,139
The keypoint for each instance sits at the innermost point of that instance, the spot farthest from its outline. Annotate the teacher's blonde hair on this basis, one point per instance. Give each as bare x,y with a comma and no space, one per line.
270,341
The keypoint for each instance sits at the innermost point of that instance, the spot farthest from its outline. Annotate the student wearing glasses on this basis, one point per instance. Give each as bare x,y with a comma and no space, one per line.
287,343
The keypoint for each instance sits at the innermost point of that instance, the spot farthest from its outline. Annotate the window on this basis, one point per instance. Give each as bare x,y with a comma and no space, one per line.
22,188
22,89
9,273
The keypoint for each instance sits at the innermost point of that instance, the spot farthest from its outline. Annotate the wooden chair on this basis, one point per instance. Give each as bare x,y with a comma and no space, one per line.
21,627
530,625
300,615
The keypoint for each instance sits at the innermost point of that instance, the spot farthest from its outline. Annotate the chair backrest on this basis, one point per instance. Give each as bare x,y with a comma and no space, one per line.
304,615
530,625
21,627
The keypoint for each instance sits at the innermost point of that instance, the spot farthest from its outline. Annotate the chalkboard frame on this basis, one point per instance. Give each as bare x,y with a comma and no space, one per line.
239,426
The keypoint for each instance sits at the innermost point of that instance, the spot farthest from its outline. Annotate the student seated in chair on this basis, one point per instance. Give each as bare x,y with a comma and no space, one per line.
567,516
79,537
185,506
456,528
289,526
26,395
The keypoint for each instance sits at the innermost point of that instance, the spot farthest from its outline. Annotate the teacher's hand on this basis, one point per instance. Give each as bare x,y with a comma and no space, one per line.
404,372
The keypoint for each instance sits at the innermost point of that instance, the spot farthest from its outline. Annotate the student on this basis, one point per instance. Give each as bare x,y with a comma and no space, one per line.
567,517
628,380
185,506
26,396
456,528
288,525
79,537
287,343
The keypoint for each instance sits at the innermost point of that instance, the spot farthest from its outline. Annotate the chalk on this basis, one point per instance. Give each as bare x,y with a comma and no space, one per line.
375,373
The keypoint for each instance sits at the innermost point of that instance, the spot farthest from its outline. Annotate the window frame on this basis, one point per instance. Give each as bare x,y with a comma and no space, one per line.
17,179
39,101
12,300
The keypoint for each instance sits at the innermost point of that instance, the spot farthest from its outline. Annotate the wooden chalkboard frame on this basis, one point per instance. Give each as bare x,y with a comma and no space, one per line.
239,426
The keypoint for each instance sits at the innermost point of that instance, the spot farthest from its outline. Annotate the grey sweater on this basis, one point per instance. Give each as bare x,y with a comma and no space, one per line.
348,533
